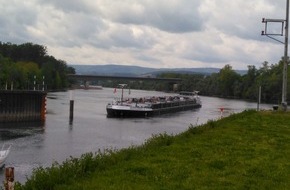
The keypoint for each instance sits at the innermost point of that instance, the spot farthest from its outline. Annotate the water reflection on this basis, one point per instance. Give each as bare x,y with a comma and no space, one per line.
22,125
11,131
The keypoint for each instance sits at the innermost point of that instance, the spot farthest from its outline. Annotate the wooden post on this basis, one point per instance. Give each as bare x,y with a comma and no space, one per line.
222,111
71,108
71,111
9,178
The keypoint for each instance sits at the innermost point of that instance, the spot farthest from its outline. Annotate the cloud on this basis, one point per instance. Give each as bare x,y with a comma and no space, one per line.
176,16
67,6
14,16
161,34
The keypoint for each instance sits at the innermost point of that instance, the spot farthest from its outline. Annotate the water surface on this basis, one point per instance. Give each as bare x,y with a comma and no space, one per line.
91,130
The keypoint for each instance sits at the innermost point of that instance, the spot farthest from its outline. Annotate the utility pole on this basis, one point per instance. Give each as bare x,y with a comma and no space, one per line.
285,58
285,66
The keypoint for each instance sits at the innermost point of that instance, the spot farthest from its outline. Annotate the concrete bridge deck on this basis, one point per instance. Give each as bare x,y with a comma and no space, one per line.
96,77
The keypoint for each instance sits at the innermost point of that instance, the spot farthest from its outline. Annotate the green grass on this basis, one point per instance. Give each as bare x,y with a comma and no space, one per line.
250,150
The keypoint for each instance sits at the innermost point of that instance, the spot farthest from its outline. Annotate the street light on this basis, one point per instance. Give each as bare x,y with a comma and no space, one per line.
285,58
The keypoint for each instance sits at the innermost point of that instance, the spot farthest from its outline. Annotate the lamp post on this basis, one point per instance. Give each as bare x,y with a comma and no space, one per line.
285,58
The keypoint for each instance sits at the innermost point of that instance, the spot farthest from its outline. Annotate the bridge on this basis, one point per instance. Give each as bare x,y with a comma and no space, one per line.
104,77
171,82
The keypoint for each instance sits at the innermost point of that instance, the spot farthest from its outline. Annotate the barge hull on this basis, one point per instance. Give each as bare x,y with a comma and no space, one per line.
128,113
175,109
155,112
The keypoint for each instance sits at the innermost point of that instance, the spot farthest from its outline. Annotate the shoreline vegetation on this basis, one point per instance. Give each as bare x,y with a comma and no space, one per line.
248,150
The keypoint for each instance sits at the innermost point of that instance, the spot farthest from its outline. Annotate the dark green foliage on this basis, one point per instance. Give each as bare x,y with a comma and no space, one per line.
160,140
229,84
24,52
70,170
20,63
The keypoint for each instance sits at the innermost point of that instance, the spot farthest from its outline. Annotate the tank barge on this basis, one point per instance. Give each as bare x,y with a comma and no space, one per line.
152,106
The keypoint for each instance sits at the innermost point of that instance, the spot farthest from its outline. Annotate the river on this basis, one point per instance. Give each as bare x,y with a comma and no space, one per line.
91,130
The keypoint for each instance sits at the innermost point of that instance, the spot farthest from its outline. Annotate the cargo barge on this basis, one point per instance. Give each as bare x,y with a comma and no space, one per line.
152,106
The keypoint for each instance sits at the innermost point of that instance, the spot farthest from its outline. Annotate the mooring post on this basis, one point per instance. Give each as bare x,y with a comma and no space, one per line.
9,178
222,111
71,108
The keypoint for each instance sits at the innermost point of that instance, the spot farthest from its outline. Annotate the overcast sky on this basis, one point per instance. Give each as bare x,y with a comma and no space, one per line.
149,33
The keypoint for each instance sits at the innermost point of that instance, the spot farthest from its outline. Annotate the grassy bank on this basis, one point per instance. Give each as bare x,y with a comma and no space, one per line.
250,150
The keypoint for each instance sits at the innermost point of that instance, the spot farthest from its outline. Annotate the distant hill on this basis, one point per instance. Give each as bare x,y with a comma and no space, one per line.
112,70
121,70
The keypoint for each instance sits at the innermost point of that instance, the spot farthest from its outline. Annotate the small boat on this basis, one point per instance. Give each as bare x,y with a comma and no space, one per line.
4,152
152,106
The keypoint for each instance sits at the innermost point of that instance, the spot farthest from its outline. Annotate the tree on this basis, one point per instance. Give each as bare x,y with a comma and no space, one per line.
227,78
250,86
32,60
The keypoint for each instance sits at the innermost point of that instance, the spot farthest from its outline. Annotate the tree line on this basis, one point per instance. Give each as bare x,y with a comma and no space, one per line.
228,83
28,65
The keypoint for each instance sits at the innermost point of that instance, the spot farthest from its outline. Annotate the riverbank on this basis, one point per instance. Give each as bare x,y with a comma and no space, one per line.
249,150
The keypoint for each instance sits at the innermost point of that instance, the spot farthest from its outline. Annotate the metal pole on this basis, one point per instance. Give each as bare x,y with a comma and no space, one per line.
43,83
285,67
34,82
259,98
122,95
